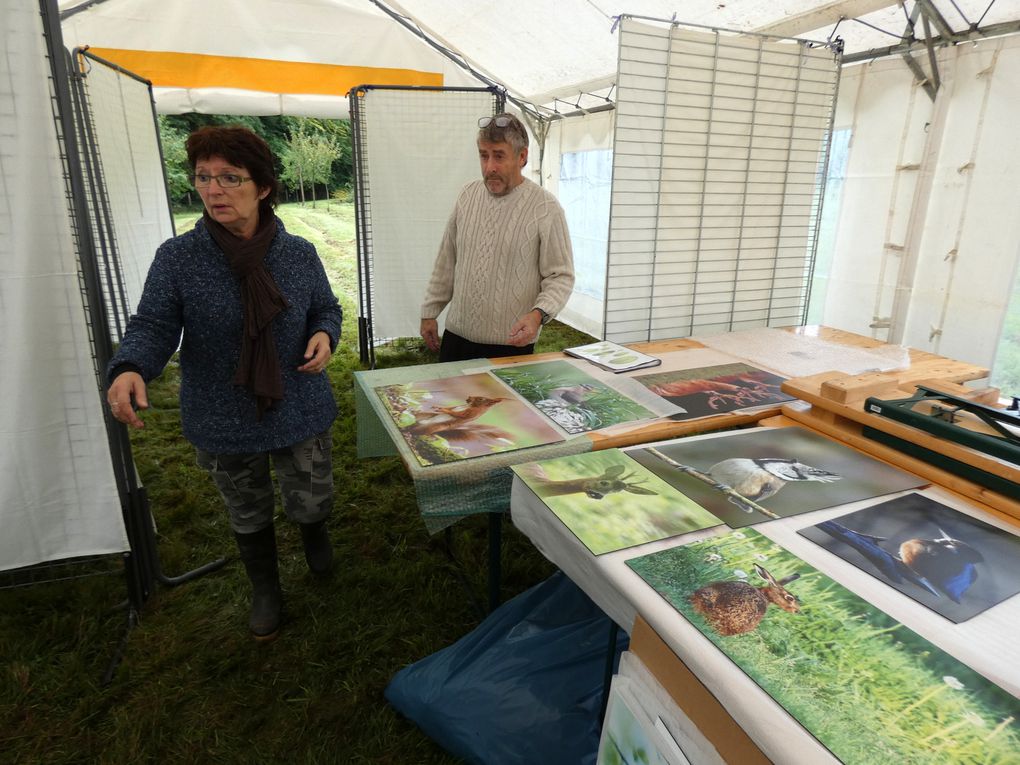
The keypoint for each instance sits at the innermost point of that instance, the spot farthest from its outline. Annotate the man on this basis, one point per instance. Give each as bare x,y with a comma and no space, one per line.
504,266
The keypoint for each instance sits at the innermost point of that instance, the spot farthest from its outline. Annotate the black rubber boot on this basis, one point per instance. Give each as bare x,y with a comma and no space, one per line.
258,553
318,550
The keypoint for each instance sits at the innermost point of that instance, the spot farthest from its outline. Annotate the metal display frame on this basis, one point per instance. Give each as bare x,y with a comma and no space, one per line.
655,265
94,244
363,199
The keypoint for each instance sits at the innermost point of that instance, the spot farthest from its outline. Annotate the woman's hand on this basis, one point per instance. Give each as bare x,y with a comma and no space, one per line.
126,386
317,353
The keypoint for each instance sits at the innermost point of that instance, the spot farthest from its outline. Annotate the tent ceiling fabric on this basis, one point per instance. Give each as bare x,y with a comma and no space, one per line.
256,57
540,51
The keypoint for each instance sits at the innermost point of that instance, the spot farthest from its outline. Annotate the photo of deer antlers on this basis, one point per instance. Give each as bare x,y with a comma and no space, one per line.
610,502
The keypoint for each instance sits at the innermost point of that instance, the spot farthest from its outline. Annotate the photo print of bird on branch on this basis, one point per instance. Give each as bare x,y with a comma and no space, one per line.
456,418
872,691
768,473
946,560
610,502
570,397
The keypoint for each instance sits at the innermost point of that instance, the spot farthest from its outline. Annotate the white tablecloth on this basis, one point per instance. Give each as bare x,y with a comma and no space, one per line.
989,642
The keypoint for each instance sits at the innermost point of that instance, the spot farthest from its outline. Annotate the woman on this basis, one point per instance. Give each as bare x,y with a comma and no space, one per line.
259,323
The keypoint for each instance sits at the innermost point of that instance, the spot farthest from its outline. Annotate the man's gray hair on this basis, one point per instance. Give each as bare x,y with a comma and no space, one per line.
514,133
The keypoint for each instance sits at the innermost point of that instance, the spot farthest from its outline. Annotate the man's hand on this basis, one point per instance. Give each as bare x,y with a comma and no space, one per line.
430,333
317,353
126,386
525,330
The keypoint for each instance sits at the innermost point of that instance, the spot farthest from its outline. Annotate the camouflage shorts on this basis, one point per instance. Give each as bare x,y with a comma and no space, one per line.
304,472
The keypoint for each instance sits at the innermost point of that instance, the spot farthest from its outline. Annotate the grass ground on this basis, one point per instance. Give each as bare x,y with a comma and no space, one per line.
191,686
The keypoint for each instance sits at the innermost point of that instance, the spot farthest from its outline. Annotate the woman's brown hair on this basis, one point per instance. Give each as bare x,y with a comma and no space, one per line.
240,147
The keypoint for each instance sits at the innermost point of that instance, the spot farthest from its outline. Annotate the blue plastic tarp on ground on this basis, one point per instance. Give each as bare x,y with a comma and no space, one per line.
525,686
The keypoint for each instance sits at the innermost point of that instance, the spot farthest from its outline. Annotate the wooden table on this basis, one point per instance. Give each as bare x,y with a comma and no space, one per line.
488,491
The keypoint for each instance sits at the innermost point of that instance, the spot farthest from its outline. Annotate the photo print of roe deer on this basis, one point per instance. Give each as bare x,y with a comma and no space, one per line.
570,397
610,502
946,560
766,473
716,390
455,418
870,690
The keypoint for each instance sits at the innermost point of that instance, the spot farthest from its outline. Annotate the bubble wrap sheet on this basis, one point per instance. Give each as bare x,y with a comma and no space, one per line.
800,356
446,493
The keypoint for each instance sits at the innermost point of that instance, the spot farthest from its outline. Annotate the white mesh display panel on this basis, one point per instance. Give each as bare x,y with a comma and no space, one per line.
58,498
127,142
720,145
418,153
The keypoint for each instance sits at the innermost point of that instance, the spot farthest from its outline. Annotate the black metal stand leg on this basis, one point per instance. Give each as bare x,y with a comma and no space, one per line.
495,543
607,678
118,654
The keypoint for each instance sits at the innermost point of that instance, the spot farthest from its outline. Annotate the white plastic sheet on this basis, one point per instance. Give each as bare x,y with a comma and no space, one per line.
57,497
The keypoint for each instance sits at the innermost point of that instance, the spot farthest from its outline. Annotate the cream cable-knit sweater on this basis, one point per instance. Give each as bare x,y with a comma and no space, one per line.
500,258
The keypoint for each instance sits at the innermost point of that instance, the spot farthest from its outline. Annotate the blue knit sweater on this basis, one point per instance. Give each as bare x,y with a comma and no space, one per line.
190,287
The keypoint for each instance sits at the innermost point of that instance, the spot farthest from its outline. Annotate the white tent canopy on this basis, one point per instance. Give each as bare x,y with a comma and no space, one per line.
299,56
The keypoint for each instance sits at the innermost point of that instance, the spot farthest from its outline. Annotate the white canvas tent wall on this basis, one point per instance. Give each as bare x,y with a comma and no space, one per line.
59,497
558,58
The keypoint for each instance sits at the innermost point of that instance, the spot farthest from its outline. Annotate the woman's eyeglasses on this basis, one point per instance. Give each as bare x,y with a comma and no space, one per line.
501,122
226,181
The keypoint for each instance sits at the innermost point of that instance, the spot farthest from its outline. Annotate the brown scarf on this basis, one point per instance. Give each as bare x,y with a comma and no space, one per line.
258,368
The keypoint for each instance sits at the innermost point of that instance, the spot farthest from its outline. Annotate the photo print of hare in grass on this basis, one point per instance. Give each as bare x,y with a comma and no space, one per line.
610,502
767,473
870,690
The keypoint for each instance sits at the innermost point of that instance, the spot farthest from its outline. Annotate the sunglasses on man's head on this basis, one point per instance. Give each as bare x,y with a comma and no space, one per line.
501,122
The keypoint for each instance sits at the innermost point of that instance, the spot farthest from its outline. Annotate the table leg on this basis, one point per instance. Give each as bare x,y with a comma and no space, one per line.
495,542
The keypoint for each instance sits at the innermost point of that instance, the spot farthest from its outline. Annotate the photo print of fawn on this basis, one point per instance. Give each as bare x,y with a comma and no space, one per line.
610,502
825,655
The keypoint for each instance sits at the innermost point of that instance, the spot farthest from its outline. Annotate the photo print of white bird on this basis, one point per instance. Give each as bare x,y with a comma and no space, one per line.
760,478
768,473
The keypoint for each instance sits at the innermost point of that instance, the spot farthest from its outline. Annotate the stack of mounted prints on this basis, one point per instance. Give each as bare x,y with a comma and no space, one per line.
771,473
869,689
570,397
950,562
610,502
455,418
708,391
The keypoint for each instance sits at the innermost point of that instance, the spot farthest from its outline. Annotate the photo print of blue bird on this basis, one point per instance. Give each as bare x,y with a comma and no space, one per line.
954,564
763,474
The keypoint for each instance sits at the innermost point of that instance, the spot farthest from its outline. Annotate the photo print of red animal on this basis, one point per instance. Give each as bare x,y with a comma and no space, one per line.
708,391
460,417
